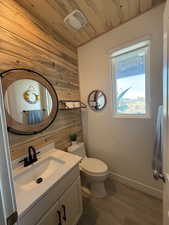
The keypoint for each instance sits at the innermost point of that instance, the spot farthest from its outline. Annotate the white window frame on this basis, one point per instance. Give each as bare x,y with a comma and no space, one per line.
125,49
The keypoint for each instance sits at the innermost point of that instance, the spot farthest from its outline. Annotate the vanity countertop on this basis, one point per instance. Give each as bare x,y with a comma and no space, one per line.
51,167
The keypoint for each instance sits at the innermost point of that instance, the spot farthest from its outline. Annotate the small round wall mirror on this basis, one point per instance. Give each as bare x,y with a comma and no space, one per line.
31,102
97,100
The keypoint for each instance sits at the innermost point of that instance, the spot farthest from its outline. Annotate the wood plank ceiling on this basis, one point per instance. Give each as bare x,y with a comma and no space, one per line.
102,15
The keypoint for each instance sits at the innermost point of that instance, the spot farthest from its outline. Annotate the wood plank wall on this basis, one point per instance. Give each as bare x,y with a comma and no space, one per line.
24,43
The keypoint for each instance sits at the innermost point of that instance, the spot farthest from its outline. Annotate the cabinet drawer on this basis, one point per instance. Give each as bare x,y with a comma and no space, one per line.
42,205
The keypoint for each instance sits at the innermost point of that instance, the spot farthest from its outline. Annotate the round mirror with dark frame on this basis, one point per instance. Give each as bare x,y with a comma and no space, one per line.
97,100
31,102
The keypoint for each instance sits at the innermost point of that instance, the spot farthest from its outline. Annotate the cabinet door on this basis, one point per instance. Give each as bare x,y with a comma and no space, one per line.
71,204
52,217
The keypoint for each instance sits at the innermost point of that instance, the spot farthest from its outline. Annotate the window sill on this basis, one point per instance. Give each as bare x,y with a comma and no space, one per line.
131,116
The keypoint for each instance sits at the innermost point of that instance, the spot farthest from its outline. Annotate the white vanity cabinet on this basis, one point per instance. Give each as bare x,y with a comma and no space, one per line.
51,217
71,204
67,209
60,205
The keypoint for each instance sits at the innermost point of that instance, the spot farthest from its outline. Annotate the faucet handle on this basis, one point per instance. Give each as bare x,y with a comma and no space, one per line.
25,161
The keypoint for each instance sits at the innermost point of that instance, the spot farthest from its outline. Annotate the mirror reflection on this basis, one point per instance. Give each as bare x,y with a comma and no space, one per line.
28,102
97,100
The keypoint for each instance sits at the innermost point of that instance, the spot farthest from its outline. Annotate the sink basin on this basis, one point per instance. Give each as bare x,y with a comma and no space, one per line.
37,173
32,182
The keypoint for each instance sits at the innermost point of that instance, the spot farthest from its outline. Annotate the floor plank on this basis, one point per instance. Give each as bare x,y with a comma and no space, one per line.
122,206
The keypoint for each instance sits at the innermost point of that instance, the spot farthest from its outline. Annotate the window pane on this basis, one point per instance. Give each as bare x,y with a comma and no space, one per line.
130,75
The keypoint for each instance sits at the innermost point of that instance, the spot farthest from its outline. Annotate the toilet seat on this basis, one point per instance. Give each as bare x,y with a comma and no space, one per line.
94,167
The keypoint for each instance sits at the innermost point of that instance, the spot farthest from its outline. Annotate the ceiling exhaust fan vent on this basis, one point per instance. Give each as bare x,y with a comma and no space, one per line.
76,20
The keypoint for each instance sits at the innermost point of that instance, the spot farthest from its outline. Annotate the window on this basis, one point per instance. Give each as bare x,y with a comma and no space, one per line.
130,73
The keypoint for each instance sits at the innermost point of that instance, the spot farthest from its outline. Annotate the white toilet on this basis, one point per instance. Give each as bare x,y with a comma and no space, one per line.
95,170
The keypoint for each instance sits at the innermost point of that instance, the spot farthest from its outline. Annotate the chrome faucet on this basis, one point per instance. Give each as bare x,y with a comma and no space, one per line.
31,158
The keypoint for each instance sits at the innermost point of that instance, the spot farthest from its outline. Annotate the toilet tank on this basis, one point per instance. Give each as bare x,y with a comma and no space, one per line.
78,149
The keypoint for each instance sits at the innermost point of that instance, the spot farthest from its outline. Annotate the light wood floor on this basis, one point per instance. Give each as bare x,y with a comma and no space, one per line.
123,206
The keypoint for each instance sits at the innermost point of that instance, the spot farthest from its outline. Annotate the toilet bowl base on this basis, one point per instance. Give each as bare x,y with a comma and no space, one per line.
98,190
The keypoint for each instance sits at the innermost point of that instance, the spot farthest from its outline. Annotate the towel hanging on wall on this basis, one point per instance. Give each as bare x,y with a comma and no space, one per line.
158,149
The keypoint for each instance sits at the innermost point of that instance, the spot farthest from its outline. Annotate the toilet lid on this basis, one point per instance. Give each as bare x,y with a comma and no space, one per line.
93,165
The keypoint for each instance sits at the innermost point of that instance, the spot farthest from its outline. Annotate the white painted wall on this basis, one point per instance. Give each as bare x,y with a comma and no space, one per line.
125,144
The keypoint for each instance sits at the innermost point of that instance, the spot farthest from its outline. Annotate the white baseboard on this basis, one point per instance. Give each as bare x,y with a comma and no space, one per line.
137,185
